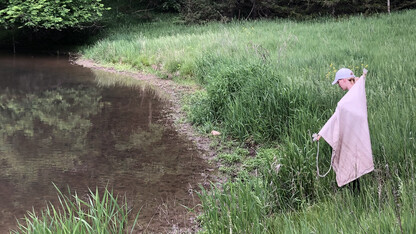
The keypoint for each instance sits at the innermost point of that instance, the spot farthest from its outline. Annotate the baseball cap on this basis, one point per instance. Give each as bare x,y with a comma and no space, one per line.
343,73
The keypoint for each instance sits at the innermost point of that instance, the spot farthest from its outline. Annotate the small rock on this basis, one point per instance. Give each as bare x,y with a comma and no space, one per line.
276,167
215,133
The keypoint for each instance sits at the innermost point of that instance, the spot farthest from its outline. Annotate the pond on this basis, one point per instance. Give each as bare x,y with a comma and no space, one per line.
76,127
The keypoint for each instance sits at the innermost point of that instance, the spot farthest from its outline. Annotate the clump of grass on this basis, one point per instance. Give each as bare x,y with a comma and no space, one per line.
238,207
235,157
95,214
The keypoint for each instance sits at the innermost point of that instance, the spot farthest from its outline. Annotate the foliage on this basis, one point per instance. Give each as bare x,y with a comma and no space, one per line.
46,14
198,11
95,214
201,11
141,6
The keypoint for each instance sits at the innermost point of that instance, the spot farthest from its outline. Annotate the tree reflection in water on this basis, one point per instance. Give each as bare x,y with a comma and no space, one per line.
34,123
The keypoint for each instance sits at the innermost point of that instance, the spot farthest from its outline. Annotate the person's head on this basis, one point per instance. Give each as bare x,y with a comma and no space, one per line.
344,78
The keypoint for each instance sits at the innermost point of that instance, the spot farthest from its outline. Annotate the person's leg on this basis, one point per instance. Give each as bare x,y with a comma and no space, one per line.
353,186
356,186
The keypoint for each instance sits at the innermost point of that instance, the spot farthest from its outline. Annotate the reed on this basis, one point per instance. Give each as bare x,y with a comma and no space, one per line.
96,214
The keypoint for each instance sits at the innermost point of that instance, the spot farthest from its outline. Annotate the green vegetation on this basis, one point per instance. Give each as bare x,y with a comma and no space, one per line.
205,10
267,83
241,207
96,214
50,14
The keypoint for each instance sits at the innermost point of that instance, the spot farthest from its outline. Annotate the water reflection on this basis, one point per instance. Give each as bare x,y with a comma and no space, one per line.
71,126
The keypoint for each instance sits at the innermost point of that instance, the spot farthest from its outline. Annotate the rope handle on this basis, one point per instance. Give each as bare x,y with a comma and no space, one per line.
315,138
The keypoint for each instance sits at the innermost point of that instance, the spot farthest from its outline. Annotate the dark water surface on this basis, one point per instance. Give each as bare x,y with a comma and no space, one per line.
80,128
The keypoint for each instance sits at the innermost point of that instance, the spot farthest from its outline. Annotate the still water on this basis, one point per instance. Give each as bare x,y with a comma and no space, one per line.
72,126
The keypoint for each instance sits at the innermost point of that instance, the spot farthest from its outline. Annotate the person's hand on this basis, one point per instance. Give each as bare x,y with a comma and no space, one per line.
316,137
363,75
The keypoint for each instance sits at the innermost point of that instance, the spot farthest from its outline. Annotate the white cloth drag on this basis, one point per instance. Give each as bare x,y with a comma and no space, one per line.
348,134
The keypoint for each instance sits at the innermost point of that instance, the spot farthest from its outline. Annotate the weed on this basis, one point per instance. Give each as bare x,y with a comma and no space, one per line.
96,214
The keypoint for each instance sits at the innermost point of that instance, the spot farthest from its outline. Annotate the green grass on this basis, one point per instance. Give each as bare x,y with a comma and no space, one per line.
268,83
249,207
96,214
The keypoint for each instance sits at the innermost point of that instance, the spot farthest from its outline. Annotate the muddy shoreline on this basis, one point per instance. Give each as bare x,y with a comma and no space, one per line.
173,93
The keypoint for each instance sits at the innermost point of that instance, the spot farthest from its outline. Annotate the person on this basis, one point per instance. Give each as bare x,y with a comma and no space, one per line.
345,150
345,78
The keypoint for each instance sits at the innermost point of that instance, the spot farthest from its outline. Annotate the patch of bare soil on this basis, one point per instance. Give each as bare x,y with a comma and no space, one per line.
174,218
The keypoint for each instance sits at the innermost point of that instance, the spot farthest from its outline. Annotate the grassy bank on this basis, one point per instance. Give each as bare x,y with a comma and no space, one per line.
267,84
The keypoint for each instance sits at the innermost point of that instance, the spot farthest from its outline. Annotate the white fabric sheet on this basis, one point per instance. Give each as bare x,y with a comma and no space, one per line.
348,134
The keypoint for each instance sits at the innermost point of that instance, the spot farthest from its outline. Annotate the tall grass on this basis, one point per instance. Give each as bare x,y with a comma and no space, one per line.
95,214
269,82
247,207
